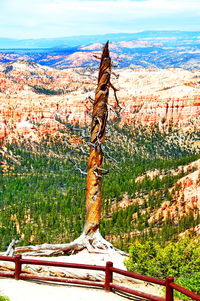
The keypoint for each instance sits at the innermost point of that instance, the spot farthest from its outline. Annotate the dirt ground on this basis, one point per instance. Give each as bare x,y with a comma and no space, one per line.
20,290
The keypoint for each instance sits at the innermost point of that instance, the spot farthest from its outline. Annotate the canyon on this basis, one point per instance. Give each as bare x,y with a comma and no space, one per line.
35,98
43,98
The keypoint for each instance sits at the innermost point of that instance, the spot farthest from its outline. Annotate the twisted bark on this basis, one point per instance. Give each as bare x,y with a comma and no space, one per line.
95,161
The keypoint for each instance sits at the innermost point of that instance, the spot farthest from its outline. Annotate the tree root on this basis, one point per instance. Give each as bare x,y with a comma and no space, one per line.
94,243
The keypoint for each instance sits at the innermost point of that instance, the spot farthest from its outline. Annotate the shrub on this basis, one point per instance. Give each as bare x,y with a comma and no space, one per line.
180,259
191,282
4,298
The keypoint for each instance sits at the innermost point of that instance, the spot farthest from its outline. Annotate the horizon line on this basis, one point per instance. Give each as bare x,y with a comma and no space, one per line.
101,34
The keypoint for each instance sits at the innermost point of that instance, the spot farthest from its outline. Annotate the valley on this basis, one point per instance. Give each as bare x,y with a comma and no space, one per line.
151,190
45,124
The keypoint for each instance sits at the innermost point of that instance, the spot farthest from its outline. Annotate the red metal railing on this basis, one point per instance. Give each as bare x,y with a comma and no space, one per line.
108,284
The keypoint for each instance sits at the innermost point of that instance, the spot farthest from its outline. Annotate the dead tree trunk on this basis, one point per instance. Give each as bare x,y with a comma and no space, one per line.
99,119
90,238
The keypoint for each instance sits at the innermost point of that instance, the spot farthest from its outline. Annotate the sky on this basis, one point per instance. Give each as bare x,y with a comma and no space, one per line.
24,19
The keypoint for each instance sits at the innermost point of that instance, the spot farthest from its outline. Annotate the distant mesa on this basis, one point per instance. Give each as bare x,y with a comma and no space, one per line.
150,49
95,46
74,41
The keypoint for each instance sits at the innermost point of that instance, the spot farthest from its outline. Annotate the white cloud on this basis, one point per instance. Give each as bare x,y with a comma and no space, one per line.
42,18
149,7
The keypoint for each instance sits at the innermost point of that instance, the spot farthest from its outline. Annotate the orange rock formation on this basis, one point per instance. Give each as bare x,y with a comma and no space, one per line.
33,97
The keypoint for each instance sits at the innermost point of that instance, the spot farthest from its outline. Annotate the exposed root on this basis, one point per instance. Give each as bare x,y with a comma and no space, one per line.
94,243
11,248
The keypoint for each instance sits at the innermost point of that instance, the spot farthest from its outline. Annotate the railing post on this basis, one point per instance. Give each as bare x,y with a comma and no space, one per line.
169,289
109,276
17,266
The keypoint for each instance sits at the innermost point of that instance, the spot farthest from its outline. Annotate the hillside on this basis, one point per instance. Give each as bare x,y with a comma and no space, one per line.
42,187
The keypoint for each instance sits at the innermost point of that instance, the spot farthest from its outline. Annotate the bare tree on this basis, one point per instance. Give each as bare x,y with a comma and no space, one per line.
91,237
99,119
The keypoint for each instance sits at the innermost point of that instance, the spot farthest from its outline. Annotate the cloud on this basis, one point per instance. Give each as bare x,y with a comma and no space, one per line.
46,18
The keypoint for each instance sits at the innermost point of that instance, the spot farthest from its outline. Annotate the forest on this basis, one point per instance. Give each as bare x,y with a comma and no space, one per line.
42,195
42,190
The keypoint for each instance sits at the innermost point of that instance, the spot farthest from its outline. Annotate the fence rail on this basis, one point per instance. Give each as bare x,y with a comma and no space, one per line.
184,291
136,293
139,276
108,283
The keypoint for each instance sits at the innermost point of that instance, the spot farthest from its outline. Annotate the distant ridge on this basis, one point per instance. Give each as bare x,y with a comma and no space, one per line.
73,41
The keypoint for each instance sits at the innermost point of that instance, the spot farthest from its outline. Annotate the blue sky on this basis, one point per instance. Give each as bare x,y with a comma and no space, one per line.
60,18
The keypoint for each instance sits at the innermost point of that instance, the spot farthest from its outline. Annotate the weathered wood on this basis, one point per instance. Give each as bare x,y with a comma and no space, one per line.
11,248
109,276
95,161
